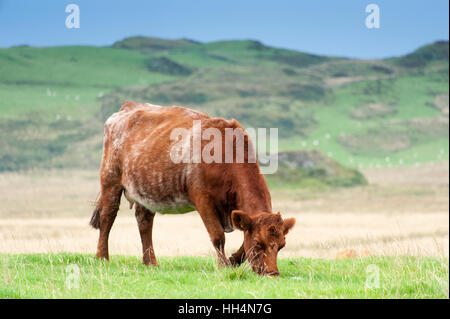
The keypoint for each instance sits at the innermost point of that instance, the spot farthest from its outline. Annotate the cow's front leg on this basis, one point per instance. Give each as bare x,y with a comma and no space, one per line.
215,230
238,257
144,219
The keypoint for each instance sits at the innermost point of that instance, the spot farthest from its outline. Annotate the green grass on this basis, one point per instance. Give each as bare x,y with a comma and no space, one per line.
411,97
50,276
50,102
81,66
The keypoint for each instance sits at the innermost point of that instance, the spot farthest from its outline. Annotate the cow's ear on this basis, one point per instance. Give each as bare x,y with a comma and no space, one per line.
288,223
241,220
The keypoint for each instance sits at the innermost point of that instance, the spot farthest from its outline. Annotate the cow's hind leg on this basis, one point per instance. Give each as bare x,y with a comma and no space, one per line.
144,219
104,216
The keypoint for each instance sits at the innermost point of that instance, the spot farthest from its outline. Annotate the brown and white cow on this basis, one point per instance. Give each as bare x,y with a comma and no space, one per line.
136,161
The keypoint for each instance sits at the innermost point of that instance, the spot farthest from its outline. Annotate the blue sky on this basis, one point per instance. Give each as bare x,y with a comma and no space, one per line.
328,27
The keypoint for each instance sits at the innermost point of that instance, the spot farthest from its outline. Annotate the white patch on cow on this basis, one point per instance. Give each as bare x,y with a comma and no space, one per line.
115,125
180,203
162,189
135,154
190,112
114,118
148,104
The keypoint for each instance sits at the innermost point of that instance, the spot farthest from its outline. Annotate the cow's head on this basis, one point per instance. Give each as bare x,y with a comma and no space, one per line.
264,236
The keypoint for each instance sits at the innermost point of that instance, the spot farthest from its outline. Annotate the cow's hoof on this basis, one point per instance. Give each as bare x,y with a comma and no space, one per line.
233,262
106,258
150,264
224,263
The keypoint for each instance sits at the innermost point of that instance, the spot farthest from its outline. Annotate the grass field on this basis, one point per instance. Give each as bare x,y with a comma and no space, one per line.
400,221
83,276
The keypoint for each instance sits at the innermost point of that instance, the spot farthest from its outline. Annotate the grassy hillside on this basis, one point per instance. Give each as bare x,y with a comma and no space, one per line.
83,276
361,113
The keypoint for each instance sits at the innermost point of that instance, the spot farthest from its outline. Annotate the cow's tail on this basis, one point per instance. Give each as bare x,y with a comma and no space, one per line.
95,218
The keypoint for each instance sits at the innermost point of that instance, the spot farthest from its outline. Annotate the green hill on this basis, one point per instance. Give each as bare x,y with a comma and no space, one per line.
361,113
150,44
425,55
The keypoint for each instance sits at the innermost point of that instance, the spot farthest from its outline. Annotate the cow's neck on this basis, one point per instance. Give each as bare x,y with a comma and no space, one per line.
252,193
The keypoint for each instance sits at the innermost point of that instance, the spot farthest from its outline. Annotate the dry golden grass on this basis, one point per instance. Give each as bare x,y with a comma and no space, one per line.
403,212
430,174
